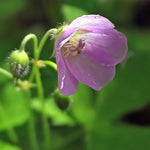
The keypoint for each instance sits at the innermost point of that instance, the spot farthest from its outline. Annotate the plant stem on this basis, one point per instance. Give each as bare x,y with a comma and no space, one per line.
36,73
46,130
6,73
51,64
10,131
31,126
26,39
43,40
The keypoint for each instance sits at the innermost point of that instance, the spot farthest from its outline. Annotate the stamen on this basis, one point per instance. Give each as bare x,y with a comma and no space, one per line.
66,53
68,48
80,45
67,45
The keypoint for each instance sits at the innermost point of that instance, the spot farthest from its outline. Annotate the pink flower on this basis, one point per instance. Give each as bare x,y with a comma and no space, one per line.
88,50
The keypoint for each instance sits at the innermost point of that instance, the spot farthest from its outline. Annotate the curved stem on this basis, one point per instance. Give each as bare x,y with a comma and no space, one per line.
51,64
36,74
43,40
26,39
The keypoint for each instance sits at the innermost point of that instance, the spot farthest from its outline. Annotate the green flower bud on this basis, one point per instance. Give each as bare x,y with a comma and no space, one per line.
61,101
18,62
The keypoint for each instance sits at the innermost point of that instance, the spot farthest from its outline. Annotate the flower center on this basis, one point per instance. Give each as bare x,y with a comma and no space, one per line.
69,49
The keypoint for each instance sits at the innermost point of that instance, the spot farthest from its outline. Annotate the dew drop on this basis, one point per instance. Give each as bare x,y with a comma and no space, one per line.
62,82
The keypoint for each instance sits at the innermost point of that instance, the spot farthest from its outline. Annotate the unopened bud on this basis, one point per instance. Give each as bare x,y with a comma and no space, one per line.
61,101
19,62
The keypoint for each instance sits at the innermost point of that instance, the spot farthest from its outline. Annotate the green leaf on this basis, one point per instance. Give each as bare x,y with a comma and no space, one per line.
140,42
67,12
114,137
89,5
128,91
13,107
58,117
82,107
7,146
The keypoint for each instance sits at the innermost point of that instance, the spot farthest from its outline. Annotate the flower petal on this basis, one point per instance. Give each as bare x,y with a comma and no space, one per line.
64,37
111,41
90,72
98,54
67,83
92,21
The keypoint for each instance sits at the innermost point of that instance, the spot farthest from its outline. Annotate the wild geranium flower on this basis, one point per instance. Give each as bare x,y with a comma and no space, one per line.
87,51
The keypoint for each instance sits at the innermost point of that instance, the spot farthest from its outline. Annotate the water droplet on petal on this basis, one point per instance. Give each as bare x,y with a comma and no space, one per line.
62,82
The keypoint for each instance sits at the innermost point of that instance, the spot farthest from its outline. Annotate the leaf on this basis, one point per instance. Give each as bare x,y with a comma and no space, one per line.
67,12
140,42
82,107
128,91
88,5
58,117
6,146
13,108
114,137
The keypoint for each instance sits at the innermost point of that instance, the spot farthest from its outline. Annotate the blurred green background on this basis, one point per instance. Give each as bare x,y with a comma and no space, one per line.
117,117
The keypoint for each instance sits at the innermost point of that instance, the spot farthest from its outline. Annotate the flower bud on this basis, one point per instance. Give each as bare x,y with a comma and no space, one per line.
19,62
61,101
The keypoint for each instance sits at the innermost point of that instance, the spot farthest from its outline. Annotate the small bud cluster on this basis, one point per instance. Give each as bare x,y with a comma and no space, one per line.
19,63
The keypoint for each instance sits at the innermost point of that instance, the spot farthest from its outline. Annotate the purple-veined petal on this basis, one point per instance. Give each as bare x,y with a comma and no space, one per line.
111,41
98,54
67,83
91,21
90,72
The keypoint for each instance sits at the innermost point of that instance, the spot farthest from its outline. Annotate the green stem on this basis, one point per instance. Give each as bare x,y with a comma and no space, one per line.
43,40
32,74
51,64
46,130
31,126
6,73
10,131
36,73
26,39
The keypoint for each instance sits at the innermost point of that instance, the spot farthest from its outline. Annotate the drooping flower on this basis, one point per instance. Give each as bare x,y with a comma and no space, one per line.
87,51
